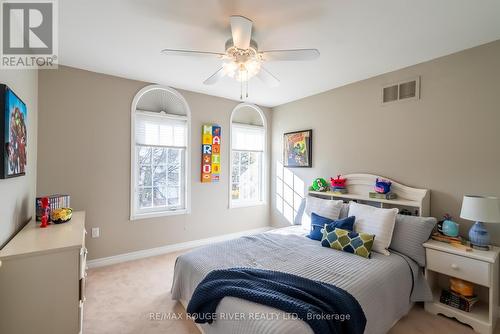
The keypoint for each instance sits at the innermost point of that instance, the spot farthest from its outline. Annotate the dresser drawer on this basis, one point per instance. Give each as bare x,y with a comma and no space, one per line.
459,266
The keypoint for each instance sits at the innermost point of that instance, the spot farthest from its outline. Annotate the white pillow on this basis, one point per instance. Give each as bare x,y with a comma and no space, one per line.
376,221
323,207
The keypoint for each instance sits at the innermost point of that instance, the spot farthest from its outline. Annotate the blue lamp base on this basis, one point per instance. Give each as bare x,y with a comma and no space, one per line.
479,236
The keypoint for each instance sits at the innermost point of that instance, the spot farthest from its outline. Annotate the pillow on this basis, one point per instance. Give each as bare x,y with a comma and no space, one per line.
318,222
376,221
348,241
344,210
322,207
410,232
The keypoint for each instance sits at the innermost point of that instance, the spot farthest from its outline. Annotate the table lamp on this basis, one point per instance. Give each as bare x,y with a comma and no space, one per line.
481,209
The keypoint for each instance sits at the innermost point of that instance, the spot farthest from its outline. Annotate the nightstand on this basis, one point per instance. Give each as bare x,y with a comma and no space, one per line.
476,266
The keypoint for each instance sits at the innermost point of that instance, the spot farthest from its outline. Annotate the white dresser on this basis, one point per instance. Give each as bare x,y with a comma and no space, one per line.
42,279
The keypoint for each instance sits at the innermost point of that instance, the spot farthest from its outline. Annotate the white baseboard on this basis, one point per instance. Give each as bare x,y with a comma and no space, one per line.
106,261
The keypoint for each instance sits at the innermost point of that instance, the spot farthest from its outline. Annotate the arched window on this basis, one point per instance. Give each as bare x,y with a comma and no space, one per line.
160,153
248,156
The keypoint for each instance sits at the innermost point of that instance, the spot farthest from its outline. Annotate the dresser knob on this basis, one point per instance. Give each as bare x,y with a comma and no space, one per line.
454,266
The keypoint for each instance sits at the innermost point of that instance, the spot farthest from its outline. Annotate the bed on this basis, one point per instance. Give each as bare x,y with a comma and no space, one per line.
385,286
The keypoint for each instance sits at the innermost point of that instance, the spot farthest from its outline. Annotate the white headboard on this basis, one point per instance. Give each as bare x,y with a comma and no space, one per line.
359,186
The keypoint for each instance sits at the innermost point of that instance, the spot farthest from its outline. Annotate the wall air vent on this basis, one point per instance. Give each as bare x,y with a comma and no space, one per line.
401,91
390,93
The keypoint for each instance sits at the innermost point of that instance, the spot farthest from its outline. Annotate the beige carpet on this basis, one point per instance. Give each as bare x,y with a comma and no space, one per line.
121,298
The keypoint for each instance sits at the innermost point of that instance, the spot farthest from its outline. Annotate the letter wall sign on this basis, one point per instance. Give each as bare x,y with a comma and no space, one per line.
210,153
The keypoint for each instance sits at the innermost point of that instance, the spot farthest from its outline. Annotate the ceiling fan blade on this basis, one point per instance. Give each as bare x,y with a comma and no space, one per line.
173,52
268,78
215,77
298,54
241,29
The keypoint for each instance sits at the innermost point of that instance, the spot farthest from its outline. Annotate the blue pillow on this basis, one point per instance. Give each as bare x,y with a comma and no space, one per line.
318,222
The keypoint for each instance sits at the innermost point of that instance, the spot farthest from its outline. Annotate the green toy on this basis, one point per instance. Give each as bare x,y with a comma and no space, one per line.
320,184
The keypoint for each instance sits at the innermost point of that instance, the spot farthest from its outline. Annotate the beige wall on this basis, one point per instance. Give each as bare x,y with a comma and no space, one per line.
449,141
17,195
84,145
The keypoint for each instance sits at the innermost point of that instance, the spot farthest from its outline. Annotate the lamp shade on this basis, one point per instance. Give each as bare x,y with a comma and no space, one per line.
480,208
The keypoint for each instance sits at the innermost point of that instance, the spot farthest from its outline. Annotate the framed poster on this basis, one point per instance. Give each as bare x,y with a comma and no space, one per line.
297,149
13,134
210,153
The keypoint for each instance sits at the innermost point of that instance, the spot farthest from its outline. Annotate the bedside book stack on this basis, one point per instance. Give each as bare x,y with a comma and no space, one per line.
457,300
444,238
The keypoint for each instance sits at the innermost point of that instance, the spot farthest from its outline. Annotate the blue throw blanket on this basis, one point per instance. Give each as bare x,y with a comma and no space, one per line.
318,304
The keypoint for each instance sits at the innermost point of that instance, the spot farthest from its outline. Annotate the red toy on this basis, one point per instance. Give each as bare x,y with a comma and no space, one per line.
338,182
44,222
45,209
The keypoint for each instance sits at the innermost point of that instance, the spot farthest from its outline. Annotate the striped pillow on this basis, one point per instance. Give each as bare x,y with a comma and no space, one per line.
323,207
372,220
410,233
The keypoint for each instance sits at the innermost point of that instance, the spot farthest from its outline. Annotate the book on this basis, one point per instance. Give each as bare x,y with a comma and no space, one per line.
389,195
444,238
338,191
457,300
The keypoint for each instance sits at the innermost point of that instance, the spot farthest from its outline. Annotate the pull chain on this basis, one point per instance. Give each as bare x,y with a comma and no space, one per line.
247,85
241,89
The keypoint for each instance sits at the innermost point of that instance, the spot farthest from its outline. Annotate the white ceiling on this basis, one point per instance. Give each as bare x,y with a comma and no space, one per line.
357,39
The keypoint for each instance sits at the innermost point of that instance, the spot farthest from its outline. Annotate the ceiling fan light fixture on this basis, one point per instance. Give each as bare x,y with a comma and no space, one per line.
241,64
242,59
242,71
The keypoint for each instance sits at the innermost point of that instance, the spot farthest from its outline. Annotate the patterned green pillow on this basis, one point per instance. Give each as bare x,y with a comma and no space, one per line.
347,241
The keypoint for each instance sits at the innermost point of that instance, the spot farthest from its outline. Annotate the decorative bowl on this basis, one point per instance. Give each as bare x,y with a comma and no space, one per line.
61,215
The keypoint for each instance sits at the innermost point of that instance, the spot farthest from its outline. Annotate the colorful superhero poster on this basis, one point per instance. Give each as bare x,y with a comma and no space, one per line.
15,134
210,153
297,150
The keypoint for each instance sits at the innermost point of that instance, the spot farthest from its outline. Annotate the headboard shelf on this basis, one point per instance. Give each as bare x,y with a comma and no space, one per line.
359,186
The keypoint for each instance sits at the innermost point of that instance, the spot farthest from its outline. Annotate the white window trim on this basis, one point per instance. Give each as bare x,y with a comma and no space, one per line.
264,185
133,167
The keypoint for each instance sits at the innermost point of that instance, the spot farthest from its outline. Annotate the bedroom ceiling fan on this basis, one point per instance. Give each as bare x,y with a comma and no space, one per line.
242,59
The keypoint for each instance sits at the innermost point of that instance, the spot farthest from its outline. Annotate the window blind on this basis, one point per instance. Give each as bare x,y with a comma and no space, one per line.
247,137
160,131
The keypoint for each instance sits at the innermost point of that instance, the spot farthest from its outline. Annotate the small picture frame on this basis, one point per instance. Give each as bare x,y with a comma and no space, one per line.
297,149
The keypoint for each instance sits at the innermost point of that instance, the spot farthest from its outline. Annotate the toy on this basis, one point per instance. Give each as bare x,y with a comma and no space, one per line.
450,228
338,183
320,185
462,287
45,212
382,186
44,222
45,206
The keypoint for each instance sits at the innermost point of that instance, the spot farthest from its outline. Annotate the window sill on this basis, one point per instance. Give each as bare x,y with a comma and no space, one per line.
141,216
234,205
